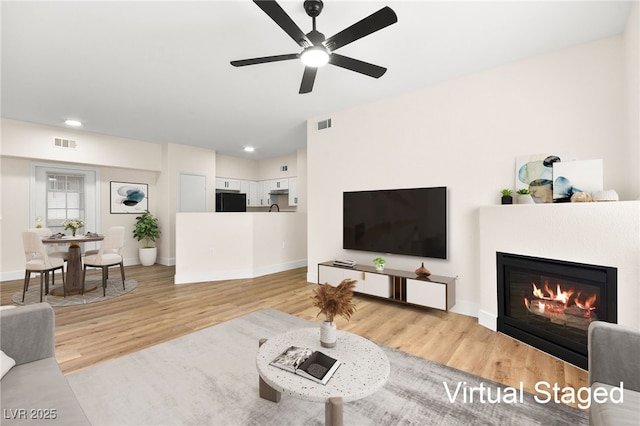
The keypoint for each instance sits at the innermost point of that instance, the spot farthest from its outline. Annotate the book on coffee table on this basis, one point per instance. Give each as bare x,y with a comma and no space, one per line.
313,365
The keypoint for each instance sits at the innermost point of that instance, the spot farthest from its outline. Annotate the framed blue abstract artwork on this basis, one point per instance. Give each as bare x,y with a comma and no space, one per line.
127,197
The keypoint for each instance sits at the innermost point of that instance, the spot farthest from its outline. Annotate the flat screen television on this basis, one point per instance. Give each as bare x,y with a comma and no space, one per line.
399,221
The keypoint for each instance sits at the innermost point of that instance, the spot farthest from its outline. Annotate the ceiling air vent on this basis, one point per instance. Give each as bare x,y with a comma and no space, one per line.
64,143
324,124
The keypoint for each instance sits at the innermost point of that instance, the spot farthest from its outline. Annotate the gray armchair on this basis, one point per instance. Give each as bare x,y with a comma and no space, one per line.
34,391
614,358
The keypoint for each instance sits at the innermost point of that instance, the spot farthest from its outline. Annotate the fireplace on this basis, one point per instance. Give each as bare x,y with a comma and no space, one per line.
549,304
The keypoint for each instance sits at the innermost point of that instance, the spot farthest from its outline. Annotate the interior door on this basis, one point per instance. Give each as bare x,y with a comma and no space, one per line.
192,193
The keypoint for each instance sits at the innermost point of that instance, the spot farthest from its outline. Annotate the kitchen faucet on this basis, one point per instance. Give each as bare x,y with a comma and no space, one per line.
271,206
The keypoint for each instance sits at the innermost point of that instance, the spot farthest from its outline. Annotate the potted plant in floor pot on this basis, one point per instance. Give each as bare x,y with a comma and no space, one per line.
333,302
146,228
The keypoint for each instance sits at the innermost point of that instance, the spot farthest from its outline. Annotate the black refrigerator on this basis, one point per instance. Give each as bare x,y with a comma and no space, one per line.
231,202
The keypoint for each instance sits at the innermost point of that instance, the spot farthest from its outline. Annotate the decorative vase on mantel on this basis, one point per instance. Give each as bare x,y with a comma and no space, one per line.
328,334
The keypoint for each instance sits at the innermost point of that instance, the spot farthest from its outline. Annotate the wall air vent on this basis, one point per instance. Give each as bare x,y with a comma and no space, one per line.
324,124
64,143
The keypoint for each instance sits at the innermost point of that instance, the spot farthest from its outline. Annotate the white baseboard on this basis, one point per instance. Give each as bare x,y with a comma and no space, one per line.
467,308
12,275
488,320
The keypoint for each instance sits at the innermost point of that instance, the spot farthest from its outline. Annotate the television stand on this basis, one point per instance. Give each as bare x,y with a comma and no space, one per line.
434,291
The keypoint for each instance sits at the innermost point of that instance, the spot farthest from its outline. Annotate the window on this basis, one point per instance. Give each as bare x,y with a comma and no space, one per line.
65,192
65,200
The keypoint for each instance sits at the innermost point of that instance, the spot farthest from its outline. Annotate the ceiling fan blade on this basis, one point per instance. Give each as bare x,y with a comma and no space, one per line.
362,67
280,17
372,23
264,60
308,78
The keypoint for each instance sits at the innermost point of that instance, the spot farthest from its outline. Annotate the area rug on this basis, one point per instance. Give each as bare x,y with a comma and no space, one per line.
209,378
114,289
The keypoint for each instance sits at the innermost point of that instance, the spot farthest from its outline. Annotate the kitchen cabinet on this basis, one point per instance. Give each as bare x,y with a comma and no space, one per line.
228,184
293,191
264,188
259,193
280,184
250,188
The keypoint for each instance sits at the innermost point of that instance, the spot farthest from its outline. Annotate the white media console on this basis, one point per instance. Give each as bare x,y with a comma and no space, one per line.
399,286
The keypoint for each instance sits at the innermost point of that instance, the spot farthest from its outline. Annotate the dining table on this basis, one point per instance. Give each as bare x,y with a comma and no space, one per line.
73,280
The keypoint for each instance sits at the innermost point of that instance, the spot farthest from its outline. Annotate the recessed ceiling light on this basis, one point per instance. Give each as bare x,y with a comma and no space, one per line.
249,149
74,123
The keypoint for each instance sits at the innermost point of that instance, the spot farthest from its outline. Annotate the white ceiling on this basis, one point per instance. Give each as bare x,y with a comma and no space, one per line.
159,71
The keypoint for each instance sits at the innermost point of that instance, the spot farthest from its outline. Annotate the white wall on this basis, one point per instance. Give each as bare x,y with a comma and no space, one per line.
116,159
270,168
34,141
237,168
465,134
632,56
222,246
245,169
181,159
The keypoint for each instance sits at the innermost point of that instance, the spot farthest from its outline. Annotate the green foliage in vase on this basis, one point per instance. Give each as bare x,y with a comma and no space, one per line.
379,261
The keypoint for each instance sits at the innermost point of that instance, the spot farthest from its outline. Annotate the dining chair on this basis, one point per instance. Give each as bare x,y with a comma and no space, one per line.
108,255
39,261
57,251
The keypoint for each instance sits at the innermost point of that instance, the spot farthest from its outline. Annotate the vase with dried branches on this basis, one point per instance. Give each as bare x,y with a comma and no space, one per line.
333,302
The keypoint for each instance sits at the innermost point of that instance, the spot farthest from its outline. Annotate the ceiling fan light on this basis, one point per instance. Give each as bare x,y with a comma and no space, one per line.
315,56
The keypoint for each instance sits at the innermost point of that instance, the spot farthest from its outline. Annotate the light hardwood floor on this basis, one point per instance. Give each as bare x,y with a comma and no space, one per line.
158,311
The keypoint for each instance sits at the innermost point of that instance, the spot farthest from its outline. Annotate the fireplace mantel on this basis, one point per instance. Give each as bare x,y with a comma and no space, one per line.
605,233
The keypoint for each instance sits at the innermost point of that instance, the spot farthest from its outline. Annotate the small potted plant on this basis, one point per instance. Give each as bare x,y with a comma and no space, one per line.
524,196
506,196
333,302
379,263
146,228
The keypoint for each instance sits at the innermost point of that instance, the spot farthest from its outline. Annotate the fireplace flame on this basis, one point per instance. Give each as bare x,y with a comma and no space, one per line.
558,296
588,304
562,306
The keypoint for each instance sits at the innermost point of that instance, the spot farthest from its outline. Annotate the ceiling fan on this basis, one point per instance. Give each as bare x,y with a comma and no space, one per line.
317,50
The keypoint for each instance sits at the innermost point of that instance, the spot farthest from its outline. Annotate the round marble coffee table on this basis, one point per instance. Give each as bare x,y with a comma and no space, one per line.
364,369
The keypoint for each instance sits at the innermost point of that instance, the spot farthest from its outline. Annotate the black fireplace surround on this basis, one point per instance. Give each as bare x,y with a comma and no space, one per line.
549,303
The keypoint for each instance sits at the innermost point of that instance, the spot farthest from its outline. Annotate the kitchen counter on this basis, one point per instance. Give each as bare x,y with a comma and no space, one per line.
222,246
